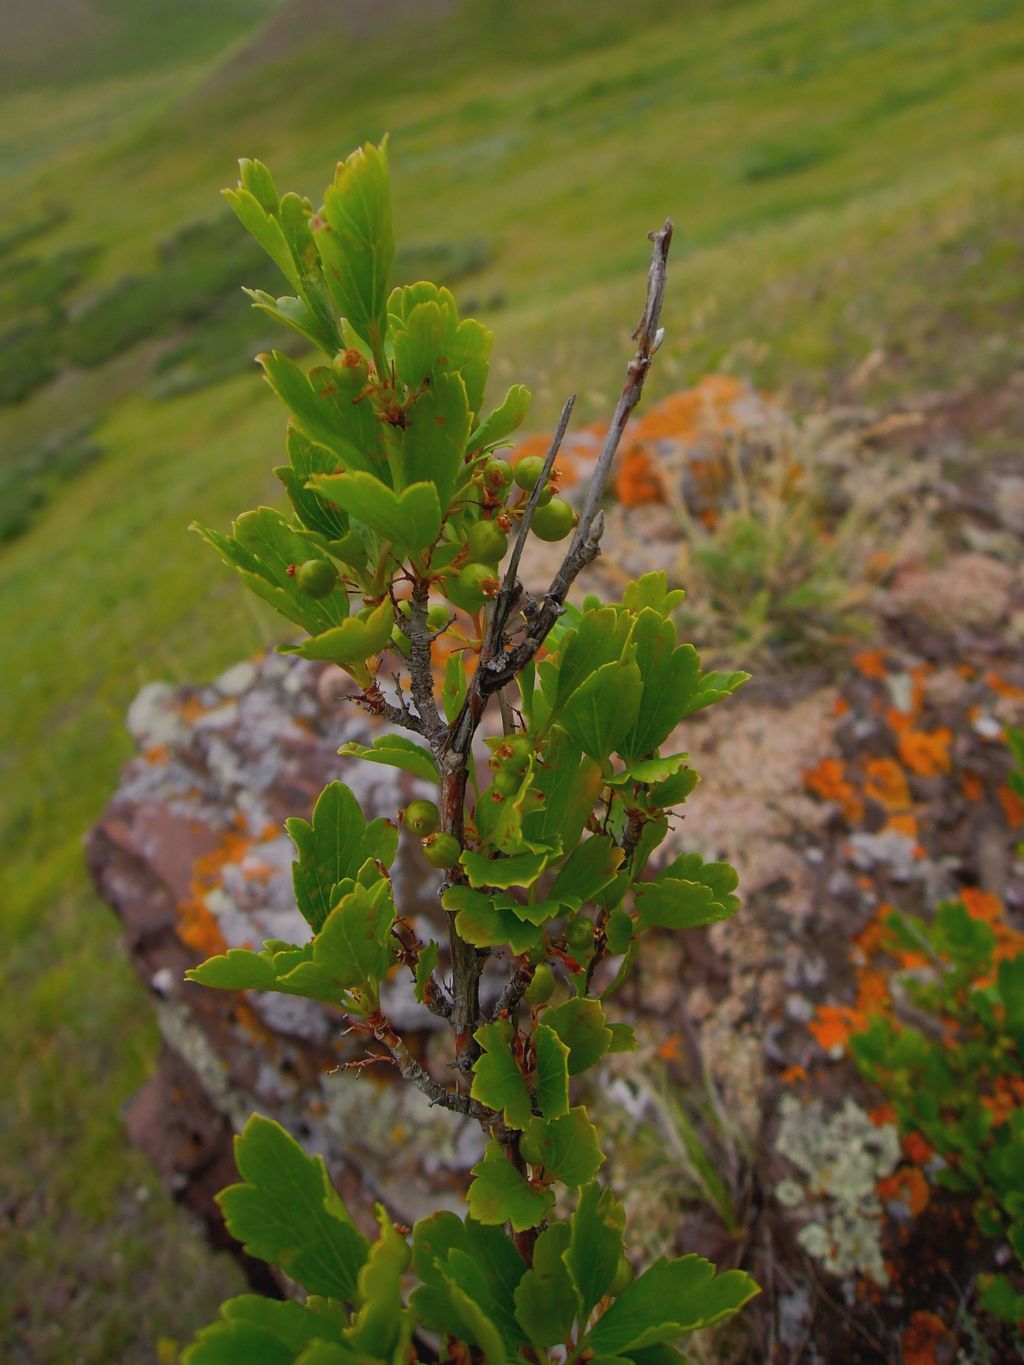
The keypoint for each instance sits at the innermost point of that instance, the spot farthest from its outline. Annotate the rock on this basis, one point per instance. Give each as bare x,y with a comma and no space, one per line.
193,856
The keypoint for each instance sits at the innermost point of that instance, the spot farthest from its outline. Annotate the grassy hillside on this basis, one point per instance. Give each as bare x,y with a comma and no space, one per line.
844,178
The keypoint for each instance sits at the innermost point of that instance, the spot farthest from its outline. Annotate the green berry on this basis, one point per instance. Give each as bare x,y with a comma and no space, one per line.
541,988
553,522
475,582
487,543
442,850
579,934
507,782
528,471
513,753
316,578
401,642
422,817
437,618
497,475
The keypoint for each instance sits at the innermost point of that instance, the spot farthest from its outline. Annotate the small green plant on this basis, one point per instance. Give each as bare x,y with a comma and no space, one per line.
956,1074
397,493
776,573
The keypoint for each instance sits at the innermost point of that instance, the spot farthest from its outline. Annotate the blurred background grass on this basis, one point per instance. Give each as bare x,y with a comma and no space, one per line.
845,180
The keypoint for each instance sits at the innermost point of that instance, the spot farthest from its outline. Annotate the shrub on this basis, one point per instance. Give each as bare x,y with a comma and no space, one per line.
955,1074
544,852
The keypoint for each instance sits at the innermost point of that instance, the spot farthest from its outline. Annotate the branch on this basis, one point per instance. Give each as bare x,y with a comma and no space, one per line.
508,592
585,547
374,701
514,990
411,1070
420,670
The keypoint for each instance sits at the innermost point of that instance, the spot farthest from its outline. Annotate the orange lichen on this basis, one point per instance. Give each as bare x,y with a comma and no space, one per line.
671,1050
886,782
1013,806
158,754
925,753
637,481
191,710
907,1186
870,662
1003,688
971,787
882,1113
828,780
833,1024
919,1341
983,905
916,1149
197,927
793,1074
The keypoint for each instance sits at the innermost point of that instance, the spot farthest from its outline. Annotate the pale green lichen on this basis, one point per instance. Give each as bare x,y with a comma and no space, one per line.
841,1158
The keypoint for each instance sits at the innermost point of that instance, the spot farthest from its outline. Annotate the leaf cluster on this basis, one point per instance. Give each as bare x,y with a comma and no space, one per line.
957,1075
472,1288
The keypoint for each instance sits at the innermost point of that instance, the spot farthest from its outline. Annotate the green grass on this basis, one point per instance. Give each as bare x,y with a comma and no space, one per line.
843,178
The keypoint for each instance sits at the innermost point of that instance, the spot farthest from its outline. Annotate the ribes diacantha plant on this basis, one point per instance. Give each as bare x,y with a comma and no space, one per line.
402,512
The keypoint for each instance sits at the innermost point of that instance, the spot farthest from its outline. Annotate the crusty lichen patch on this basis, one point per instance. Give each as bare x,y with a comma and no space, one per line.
841,1159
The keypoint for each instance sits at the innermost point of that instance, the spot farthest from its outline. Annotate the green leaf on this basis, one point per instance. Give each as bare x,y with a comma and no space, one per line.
377,1325
489,922
395,751
331,849
475,1326
581,1026
296,314
239,969
314,512
352,951
649,770
410,520
259,1331
497,1079
453,693
436,430
499,1194
316,414
720,877
588,869
552,1077
566,1147
545,1300
351,643
623,1038
484,1262
599,640
355,239
601,711
266,230
595,1245
522,869
502,421
263,548
675,790
715,687
651,590
677,904
570,785
670,682
426,965
670,1298
287,1212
